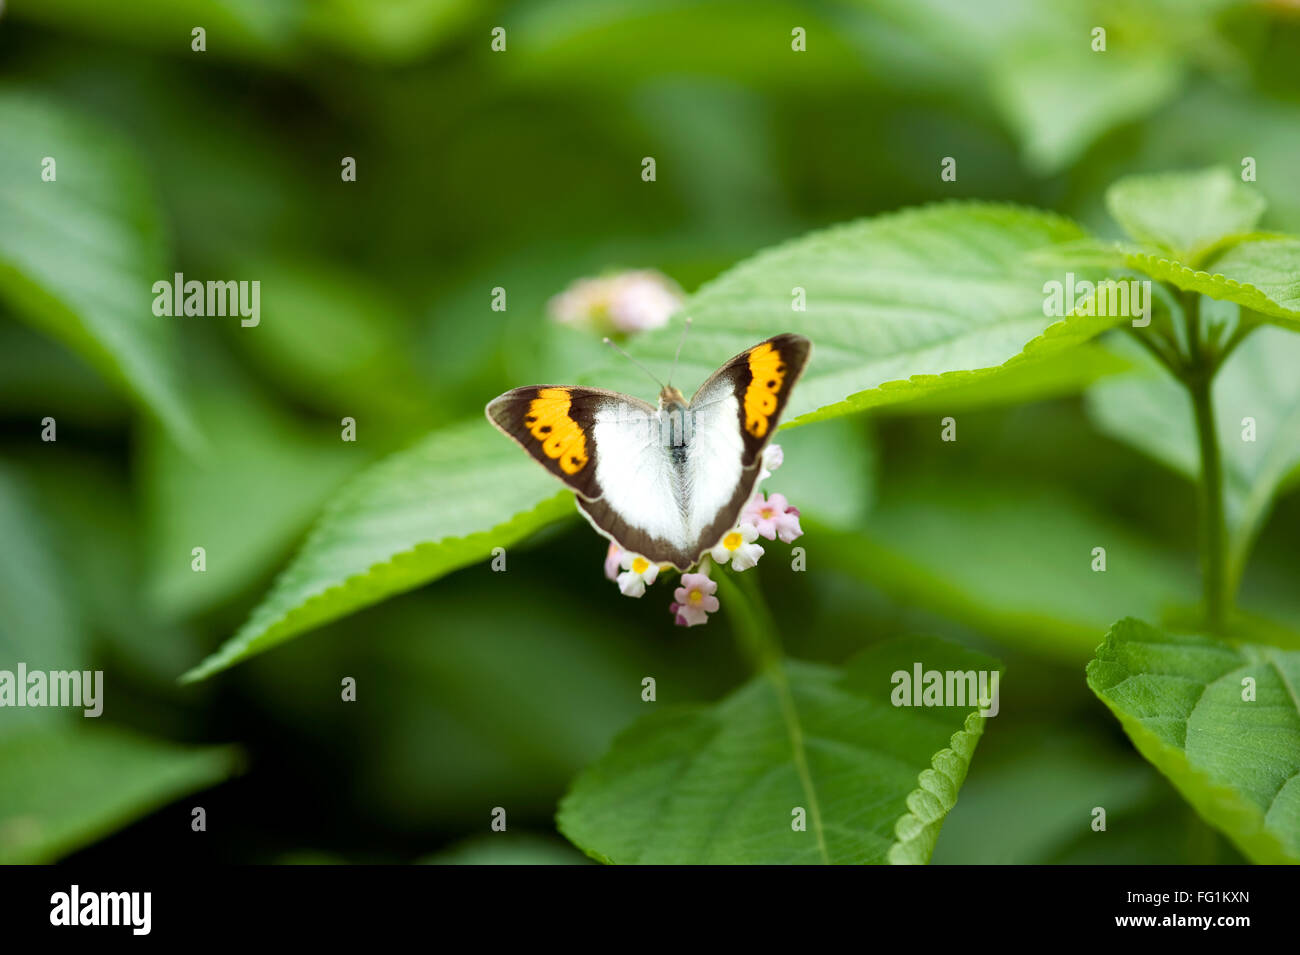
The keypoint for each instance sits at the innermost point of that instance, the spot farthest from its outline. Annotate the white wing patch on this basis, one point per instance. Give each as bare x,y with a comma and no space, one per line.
668,473
713,464
636,472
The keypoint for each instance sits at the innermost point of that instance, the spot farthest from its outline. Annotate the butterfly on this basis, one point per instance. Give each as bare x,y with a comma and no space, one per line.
665,482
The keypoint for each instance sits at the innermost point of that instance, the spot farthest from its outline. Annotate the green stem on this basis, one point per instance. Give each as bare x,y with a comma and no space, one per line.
1214,533
756,632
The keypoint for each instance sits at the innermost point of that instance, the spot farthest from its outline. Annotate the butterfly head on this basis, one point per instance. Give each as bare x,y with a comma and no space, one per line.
671,398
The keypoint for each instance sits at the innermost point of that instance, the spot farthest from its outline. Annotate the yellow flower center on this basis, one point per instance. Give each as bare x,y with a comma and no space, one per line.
766,512
640,565
733,540
695,596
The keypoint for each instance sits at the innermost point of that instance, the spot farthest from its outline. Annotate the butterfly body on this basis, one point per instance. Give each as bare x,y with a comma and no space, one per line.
665,482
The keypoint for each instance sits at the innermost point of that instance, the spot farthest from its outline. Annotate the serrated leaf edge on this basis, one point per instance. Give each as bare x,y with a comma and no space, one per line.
301,616
936,793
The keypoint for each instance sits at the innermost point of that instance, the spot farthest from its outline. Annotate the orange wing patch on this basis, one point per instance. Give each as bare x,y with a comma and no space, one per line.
561,437
767,369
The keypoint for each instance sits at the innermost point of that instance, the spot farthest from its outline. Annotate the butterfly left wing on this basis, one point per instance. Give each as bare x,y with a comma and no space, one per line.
555,424
759,381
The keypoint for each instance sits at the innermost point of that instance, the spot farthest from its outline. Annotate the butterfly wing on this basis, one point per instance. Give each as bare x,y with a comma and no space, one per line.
555,424
759,380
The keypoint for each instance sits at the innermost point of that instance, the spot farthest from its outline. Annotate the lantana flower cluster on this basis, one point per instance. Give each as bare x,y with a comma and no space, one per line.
621,303
769,516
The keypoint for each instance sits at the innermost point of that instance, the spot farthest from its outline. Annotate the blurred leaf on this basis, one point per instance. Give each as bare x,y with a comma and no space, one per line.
235,28
898,307
386,30
508,849
1237,761
1037,791
1184,213
717,784
39,625
570,41
266,30
79,255
1013,559
1059,101
1260,275
1037,64
440,505
491,679
61,790
95,528
39,377
1151,411
336,342
245,500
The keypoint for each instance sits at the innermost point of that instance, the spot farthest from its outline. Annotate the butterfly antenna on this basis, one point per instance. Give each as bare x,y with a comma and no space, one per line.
611,344
680,343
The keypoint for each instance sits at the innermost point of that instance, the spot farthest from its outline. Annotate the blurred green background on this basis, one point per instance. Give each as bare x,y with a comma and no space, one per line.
521,169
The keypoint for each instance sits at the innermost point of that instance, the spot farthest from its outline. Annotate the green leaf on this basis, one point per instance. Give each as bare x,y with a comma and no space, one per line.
1184,213
79,255
1012,559
39,625
1180,699
385,31
875,308
1060,101
1153,413
234,27
336,342
1262,275
443,504
718,784
97,541
245,499
64,789
898,307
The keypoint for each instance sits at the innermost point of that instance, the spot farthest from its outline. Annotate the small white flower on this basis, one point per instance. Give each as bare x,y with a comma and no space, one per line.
738,548
637,573
773,458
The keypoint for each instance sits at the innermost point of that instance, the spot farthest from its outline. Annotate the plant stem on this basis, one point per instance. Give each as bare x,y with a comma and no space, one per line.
1214,535
756,632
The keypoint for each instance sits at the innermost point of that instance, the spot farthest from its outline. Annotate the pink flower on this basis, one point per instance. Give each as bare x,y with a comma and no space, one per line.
624,302
693,601
642,300
612,557
773,517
